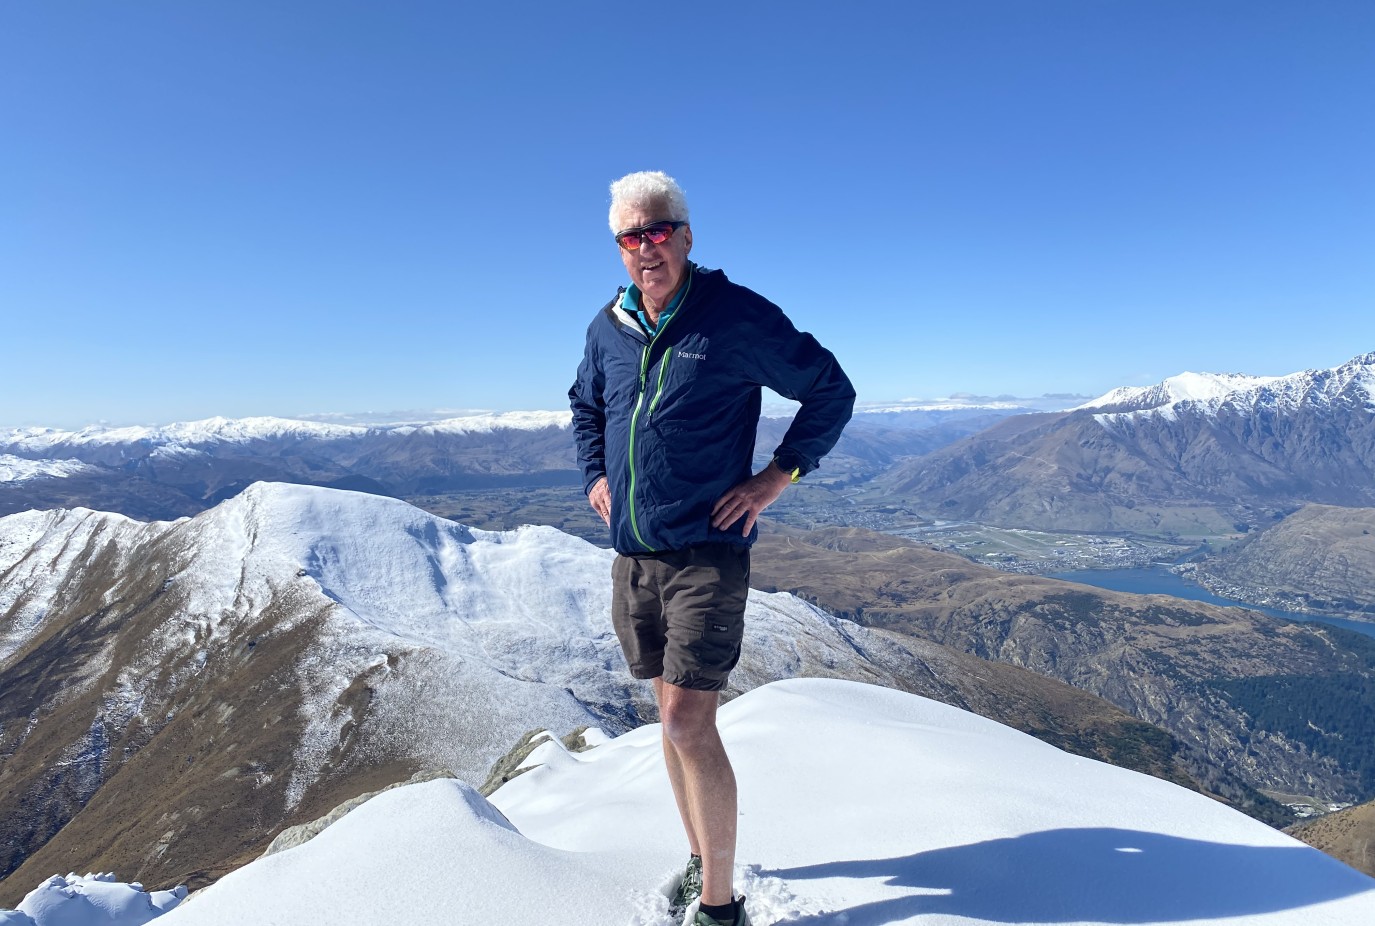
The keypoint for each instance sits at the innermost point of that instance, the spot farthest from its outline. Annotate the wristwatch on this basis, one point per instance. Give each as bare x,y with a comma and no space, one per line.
794,474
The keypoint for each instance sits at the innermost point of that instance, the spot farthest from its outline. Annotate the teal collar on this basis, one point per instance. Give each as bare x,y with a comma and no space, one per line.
630,301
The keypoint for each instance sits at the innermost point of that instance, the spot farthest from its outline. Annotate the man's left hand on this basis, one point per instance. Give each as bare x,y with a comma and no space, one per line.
749,498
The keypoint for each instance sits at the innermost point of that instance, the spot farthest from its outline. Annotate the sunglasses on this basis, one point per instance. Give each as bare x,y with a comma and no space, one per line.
655,233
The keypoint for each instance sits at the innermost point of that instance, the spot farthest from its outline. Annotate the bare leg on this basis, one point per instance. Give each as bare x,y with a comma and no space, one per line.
675,776
703,782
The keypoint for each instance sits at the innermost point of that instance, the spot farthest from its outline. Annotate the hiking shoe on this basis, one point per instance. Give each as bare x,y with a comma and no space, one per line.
741,917
690,888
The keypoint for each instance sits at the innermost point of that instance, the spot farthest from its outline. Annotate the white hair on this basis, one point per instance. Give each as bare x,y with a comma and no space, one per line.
648,188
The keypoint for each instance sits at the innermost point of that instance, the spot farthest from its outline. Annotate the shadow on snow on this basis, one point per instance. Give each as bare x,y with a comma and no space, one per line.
1103,875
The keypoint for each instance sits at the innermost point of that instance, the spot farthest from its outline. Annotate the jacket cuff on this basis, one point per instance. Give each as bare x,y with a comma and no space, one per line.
792,462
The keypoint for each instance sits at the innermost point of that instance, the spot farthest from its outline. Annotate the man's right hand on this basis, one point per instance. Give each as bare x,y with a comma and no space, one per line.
600,500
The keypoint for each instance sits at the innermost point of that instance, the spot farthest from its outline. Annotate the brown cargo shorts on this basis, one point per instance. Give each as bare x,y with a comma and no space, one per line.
681,614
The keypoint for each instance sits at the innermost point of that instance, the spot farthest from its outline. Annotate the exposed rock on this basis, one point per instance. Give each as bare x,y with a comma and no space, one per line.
508,766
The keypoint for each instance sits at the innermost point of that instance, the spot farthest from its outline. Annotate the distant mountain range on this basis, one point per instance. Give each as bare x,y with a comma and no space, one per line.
1196,454
181,469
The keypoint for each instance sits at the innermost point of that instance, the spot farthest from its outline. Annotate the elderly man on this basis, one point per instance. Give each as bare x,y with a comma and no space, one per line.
665,409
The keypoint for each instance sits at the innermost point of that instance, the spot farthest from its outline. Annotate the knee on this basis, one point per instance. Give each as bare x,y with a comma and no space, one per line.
686,728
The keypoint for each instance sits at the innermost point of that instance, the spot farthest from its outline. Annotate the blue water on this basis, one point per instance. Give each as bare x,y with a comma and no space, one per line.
1157,580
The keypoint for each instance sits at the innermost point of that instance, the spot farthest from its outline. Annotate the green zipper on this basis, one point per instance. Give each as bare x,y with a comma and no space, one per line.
639,404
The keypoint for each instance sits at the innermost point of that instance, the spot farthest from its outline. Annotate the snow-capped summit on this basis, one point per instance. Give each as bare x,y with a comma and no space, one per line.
1209,392
1186,387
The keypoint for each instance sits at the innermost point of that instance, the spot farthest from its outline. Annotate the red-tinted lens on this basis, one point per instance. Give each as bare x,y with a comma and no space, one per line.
655,234
658,233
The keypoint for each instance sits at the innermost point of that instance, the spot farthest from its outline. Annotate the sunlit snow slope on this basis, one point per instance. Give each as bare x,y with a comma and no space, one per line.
858,805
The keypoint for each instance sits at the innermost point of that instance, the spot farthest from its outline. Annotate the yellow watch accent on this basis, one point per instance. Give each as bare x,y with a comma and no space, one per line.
794,477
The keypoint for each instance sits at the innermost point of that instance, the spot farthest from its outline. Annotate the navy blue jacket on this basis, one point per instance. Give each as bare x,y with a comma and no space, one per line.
670,420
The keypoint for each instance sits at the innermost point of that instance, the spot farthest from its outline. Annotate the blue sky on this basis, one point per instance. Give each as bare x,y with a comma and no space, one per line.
308,207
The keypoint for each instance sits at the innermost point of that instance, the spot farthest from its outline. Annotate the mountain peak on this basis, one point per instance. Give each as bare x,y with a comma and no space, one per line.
1185,387
1209,392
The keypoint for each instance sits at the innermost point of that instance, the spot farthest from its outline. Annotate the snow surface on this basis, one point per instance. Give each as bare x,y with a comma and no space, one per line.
1209,392
18,469
90,900
858,806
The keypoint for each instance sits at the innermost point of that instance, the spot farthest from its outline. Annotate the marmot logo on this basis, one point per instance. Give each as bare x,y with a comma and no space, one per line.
687,356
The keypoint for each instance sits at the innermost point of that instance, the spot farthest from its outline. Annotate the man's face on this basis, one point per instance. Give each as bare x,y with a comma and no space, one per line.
657,269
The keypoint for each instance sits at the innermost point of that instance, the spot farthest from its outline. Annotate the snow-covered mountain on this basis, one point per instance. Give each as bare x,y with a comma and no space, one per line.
165,472
17,469
1195,455
858,805
191,436
169,471
259,663
1211,393
1203,388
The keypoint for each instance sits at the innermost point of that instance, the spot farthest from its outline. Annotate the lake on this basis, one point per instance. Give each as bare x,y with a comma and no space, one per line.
1158,580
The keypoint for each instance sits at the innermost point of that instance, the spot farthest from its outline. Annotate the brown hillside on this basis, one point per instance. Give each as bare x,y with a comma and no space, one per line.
1348,835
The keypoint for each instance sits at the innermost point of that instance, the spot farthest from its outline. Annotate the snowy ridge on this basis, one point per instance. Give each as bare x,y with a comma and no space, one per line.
184,437
937,406
464,634
1186,387
1208,393
858,805
181,434
970,403
18,469
499,421
41,550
